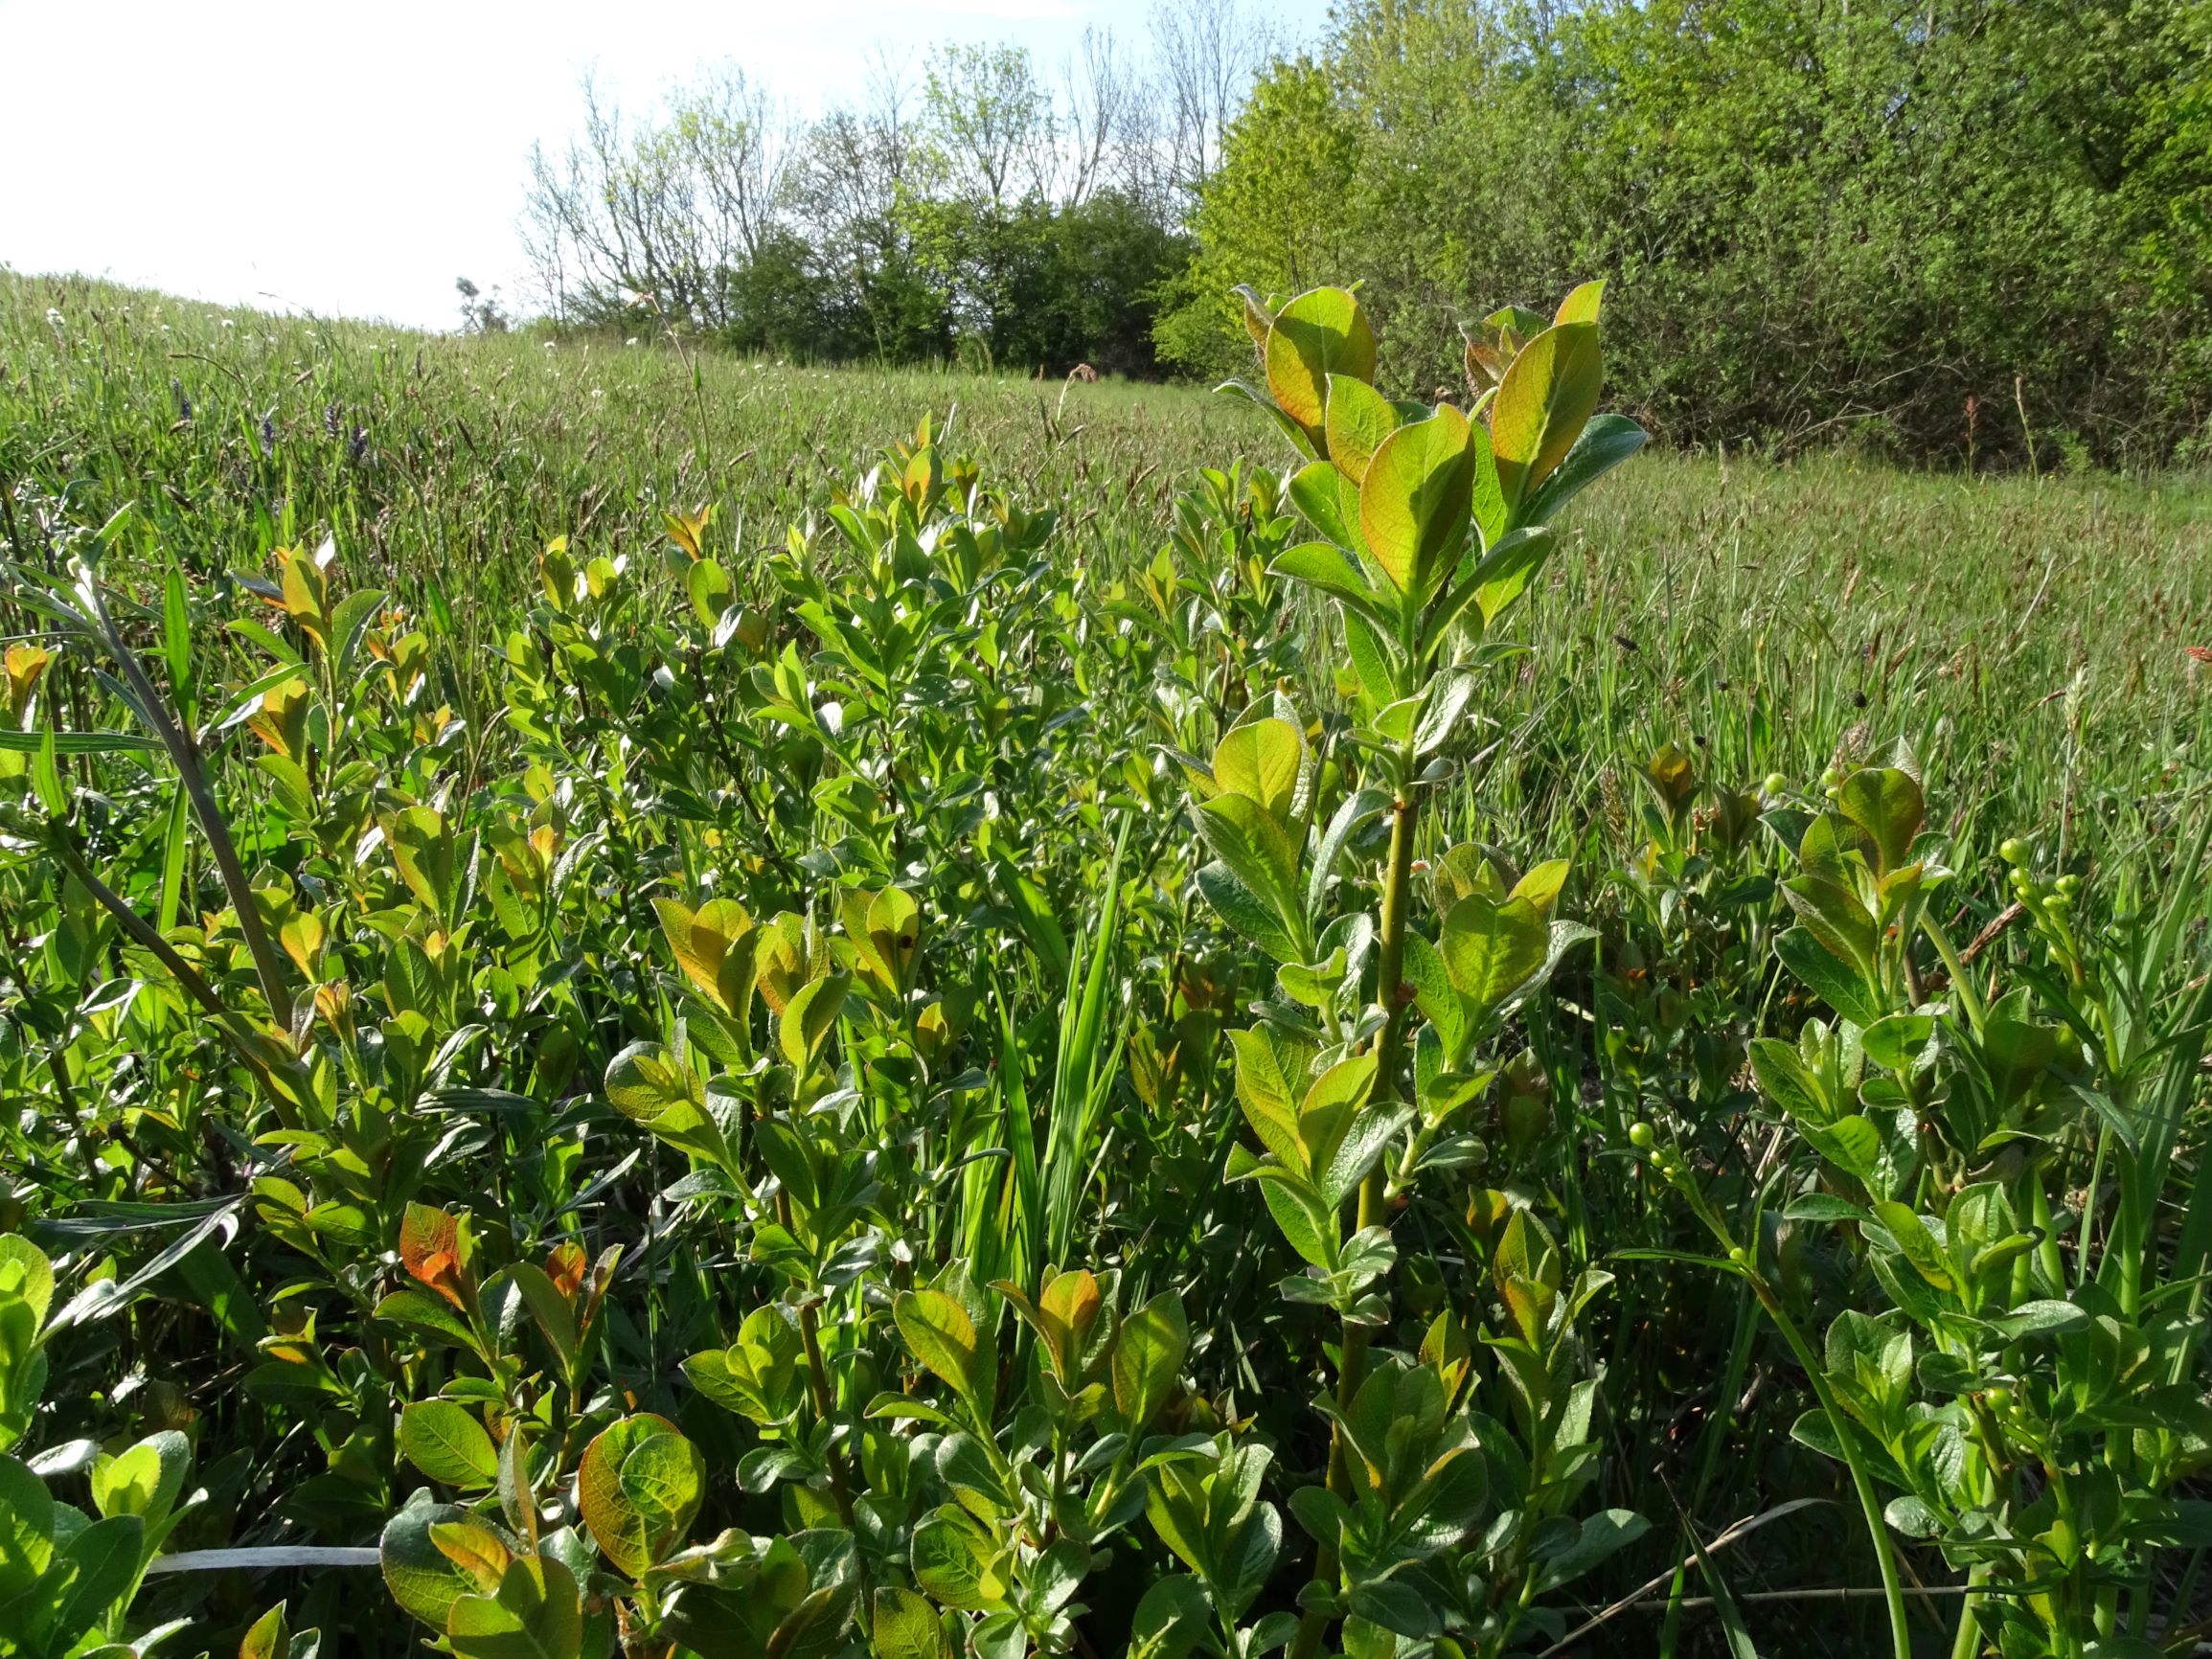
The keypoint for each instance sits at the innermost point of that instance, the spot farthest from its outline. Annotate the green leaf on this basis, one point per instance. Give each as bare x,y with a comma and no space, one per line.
1308,1220
957,1562
1397,1607
423,848
547,1305
1246,910
1321,332
1435,996
448,1443
940,1333
1581,306
1358,419
638,1485
1507,567
1836,919
1607,440
905,1626
810,1017
1148,1359
270,1636
759,1375
1547,397
1272,1080
1375,659
1830,977
428,1313
1257,851
27,1277
1415,500
1263,761
145,1481
1332,1103
1325,566
1491,949
1320,490
100,1566
537,1614
1171,1618
1850,1143
1915,1243
1784,1080
423,1579
1355,809
25,1529
1888,806
2045,1318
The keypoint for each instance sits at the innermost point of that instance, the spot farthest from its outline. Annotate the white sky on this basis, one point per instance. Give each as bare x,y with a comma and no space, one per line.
354,159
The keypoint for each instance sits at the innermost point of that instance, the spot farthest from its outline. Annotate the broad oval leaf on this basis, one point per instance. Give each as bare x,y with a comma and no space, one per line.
1321,332
1415,501
1358,419
441,1439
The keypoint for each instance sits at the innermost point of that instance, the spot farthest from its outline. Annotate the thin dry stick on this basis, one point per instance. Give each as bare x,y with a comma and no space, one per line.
190,760
1742,1529
1982,941
1846,1593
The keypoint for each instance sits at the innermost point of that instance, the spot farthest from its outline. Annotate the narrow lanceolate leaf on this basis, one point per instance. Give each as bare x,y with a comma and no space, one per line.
77,742
1607,440
1547,397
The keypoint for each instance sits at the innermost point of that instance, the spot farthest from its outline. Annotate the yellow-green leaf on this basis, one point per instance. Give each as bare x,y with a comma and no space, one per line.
1415,499
1358,419
1581,306
1319,334
1263,760
1548,397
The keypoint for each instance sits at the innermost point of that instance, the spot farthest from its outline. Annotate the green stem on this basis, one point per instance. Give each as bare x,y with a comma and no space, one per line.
1961,984
1869,1501
189,761
1967,1643
825,1408
1389,1046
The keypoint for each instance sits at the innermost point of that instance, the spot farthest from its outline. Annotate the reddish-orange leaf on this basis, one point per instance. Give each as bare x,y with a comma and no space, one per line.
564,1265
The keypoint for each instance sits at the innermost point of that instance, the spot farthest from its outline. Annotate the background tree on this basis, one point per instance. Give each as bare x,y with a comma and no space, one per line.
1825,221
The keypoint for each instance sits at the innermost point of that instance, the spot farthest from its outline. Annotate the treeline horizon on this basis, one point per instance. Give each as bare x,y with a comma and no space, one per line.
1954,232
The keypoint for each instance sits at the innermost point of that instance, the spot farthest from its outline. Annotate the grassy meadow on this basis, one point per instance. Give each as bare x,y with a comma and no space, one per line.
1767,610
716,1081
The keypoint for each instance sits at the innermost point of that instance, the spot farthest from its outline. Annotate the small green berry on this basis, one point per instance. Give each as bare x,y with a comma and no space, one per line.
2069,885
1773,783
2013,850
1642,1135
1739,1255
